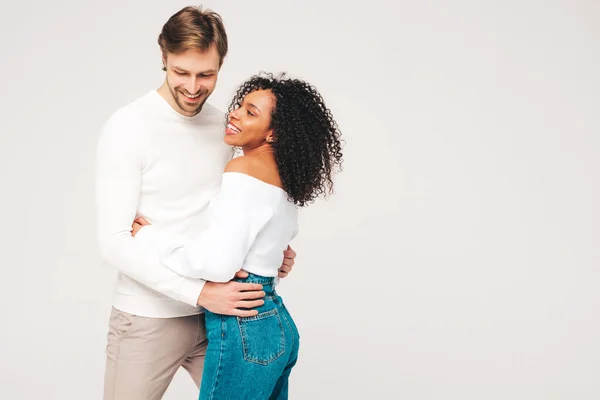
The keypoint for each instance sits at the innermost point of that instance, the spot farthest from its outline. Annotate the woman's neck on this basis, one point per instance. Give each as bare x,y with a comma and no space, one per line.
264,150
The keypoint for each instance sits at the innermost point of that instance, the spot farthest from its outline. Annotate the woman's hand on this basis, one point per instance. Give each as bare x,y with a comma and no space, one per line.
138,223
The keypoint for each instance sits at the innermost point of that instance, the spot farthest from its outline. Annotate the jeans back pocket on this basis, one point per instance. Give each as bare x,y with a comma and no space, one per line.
263,338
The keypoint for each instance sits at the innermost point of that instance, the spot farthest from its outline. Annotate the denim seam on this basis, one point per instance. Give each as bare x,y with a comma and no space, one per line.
291,329
260,316
219,365
264,282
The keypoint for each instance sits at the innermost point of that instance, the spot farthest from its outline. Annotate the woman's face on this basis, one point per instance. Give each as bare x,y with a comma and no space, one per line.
249,124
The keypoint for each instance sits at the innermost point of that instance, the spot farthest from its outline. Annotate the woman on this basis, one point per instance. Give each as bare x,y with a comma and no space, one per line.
291,147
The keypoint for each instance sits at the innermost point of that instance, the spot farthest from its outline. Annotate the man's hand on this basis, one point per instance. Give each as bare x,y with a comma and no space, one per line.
289,257
232,298
138,223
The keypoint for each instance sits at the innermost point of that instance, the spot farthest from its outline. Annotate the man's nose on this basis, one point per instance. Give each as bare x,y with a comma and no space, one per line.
193,85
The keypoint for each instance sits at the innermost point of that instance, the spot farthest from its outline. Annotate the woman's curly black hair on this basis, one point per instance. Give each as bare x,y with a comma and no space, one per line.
307,143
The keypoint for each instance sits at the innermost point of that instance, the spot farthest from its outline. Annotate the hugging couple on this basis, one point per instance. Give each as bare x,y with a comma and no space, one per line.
201,238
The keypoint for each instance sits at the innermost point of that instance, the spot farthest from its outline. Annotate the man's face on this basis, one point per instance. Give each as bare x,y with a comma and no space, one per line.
191,78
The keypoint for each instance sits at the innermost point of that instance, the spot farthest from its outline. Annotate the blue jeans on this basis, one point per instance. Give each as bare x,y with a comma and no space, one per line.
250,358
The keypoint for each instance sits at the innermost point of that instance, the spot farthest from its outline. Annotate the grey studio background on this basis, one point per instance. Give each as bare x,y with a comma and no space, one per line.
459,258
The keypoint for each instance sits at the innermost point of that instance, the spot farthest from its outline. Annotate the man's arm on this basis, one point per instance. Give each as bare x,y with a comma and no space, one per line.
119,164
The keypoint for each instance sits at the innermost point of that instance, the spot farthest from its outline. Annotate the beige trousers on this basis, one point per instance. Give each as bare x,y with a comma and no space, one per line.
143,354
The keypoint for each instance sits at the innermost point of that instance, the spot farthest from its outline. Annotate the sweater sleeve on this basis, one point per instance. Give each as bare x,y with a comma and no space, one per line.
119,165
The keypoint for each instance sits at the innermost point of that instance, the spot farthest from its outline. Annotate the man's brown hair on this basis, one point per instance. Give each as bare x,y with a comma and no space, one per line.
193,28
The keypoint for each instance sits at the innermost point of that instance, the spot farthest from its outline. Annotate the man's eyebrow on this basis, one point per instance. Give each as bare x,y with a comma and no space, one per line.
209,71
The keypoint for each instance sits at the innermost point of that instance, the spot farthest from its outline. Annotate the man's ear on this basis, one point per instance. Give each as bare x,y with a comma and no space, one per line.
164,61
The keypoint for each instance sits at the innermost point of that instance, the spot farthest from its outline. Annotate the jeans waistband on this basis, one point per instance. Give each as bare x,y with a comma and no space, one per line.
265,281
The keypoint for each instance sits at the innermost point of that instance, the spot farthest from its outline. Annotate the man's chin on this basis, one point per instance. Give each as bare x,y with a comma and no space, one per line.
191,107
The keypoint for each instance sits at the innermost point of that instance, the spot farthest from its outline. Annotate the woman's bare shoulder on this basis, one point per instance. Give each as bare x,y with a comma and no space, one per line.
255,168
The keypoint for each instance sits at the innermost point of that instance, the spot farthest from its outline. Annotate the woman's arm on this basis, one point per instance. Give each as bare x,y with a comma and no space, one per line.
236,216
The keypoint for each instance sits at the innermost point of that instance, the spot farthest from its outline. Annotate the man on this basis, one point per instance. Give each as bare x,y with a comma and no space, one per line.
161,157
